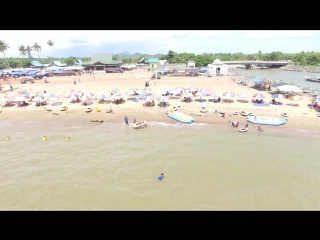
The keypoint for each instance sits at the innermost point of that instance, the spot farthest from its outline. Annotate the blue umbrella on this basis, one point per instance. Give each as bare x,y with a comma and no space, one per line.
258,95
279,96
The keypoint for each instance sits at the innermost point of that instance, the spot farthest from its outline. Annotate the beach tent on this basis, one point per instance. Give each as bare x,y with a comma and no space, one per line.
78,62
59,64
289,88
36,64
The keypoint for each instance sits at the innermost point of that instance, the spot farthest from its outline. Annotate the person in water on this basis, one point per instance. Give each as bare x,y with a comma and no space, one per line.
161,177
246,126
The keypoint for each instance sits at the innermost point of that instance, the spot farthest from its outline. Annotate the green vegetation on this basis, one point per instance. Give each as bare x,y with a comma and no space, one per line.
302,59
311,59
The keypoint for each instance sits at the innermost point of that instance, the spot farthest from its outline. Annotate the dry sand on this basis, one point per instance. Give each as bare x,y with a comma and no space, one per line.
298,117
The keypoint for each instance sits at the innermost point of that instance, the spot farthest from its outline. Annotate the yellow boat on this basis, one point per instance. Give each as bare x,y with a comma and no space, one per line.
98,109
64,108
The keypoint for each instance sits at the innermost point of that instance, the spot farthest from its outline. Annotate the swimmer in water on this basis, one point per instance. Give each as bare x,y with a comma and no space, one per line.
68,139
44,138
161,177
7,138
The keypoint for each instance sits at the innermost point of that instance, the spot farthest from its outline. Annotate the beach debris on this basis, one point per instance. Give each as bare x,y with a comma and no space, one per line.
100,121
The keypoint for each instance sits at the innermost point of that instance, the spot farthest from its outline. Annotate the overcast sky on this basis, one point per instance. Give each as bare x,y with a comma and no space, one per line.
82,43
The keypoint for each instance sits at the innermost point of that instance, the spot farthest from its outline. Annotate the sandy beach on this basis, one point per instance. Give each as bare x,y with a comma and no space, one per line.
299,117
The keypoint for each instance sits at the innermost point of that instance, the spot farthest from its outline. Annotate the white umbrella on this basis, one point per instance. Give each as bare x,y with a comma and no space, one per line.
162,99
73,95
205,89
37,99
243,95
20,99
228,94
161,91
201,94
101,96
85,98
214,94
289,88
187,95
53,98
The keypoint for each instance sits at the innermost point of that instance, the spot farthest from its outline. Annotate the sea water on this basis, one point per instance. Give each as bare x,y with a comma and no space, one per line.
111,166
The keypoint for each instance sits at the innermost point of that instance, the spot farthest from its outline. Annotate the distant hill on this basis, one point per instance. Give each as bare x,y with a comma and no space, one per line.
128,54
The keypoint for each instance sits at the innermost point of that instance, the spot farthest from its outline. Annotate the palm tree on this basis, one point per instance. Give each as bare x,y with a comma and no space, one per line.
50,43
4,47
36,48
23,53
28,51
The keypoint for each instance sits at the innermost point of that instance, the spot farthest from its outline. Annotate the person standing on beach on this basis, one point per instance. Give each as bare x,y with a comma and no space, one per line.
79,80
134,121
126,120
229,119
74,82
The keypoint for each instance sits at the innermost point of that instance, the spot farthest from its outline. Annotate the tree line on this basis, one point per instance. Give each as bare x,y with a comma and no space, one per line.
25,57
302,59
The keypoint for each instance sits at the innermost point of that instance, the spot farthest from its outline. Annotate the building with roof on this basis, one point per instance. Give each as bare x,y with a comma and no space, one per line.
58,64
36,64
217,68
78,62
191,64
102,62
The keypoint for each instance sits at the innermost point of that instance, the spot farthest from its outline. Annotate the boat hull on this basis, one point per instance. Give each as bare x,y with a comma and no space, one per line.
312,79
266,120
141,124
181,117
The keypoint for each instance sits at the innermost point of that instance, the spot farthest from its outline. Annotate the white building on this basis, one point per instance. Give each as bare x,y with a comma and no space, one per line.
191,64
217,68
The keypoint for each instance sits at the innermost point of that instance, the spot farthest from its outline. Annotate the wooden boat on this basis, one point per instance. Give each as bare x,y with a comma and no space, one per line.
310,79
88,110
63,108
243,113
100,121
243,129
266,120
236,113
203,109
141,124
284,115
109,110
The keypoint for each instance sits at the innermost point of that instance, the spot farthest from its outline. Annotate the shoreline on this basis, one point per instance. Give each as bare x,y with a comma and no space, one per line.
298,117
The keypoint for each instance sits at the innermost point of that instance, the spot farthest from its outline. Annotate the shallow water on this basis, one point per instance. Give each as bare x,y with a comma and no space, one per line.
115,167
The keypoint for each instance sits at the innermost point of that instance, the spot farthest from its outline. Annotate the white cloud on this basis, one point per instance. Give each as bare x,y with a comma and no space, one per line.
66,39
280,33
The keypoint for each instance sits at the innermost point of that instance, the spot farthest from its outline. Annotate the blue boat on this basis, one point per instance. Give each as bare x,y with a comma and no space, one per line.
266,120
181,117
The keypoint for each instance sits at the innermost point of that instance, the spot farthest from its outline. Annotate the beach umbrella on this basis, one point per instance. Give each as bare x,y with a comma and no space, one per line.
85,98
289,88
11,95
89,94
53,98
83,90
148,98
73,95
281,96
258,95
20,99
228,94
131,93
180,89
69,91
201,94
161,91
162,99
133,89
295,98
26,90
316,100
36,91
37,99
205,89
143,94
28,95
243,95
147,89
187,95
114,90
193,89
214,94
49,94
167,89
101,96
